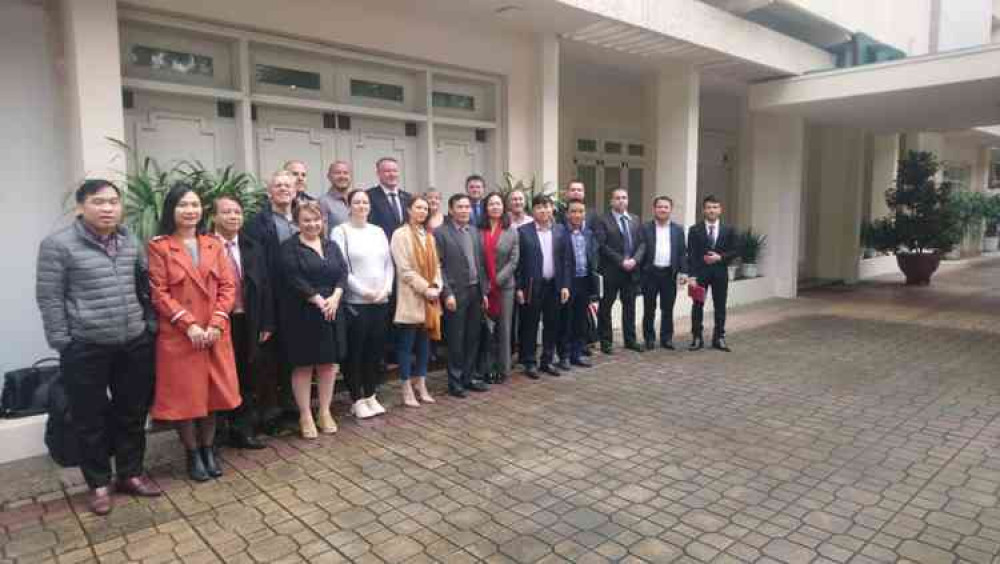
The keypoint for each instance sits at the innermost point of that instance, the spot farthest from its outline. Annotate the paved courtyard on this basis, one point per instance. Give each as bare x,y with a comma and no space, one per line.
851,425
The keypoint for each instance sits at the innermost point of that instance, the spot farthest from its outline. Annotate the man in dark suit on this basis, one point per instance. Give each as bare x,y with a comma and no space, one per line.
252,318
389,202
466,285
664,261
581,252
575,190
542,287
475,188
711,247
622,249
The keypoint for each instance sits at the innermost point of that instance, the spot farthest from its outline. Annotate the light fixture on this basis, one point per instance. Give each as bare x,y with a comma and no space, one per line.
507,10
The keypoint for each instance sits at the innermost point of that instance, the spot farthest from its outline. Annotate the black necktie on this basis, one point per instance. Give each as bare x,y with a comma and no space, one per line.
627,235
711,236
395,207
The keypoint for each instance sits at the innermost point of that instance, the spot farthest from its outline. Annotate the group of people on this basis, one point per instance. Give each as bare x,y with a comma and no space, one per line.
232,319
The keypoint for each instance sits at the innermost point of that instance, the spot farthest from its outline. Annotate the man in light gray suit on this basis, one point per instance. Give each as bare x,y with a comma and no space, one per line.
466,284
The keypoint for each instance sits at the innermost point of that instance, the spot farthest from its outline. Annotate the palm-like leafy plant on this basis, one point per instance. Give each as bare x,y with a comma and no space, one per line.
530,188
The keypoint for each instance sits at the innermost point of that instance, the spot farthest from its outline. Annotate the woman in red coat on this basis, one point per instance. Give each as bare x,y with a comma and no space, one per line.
193,291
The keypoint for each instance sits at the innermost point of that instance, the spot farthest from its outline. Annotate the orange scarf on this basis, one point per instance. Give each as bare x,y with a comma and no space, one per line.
427,266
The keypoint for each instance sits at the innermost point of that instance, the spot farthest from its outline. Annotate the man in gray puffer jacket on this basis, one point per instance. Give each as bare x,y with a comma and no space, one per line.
90,290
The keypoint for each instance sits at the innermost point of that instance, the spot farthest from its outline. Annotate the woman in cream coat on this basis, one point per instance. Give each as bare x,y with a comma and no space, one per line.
418,305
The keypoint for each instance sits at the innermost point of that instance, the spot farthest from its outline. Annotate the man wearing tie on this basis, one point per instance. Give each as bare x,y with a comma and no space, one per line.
475,187
388,201
665,259
621,248
711,246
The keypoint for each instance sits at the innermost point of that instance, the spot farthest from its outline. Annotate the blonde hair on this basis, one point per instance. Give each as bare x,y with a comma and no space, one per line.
310,206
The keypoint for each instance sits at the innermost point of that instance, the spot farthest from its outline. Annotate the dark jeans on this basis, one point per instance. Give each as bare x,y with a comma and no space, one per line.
717,280
365,348
658,283
244,418
115,425
618,284
542,307
463,328
412,351
576,326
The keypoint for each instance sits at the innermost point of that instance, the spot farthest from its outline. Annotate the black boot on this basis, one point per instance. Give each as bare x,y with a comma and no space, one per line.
196,467
697,343
211,465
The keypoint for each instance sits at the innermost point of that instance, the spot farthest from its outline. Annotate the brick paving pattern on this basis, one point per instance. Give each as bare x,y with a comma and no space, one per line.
854,425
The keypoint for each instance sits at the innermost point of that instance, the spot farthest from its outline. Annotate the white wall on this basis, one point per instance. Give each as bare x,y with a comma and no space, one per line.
34,162
904,24
964,23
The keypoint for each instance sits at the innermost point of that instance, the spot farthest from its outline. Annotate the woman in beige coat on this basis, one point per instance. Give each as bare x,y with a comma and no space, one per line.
418,305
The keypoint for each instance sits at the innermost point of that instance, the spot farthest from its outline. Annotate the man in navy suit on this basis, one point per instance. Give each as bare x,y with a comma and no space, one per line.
584,292
665,260
475,188
622,249
389,201
711,247
542,286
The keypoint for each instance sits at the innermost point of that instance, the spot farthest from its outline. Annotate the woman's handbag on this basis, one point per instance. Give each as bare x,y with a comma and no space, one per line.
26,390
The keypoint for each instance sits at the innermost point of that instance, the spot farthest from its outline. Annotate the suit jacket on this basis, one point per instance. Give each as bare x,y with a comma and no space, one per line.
258,299
612,246
454,264
593,256
382,213
529,271
678,252
508,257
262,230
697,246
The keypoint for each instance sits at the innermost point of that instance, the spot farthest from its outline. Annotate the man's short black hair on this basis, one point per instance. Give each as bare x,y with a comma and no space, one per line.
455,198
710,199
473,178
666,199
572,201
93,186
541,200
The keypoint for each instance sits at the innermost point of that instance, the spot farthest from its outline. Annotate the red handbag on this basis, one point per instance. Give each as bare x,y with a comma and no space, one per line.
697,293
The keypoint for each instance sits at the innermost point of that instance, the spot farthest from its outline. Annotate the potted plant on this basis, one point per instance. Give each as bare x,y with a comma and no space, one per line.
867,240
922,225
991,213
752,246
968,208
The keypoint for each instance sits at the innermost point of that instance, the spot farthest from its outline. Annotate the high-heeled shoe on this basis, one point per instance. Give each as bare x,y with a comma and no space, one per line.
196,467
422,392
409,400
211,464
326,423
308,428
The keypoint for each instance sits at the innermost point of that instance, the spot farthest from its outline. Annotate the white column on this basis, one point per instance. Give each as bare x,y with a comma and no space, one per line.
838,176
94,87
885,157
778,156
677,110
548,107
740,210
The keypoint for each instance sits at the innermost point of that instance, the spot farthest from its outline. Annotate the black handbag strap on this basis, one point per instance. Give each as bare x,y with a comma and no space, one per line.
48,359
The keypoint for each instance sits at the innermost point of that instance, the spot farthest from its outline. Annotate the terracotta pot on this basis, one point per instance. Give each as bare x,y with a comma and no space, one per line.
918,267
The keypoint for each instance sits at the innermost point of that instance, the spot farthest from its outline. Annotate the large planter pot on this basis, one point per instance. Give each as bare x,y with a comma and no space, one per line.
750,270
918,267
991,244
954,254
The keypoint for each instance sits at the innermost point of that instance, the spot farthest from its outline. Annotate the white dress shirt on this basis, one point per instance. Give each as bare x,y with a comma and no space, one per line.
662,257
545,240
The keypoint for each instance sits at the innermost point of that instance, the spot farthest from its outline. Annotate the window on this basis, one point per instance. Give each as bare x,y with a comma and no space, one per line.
612,147
377,90
586,145
453,101
291,78
636,150
175,62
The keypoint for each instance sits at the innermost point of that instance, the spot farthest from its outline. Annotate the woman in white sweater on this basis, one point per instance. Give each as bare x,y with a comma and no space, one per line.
369,285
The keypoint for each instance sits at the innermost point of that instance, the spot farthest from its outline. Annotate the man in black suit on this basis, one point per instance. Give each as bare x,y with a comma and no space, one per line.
711,246
252,318
542,287
475,188
575,190
466,285
664,261
584,292
622,249
389,202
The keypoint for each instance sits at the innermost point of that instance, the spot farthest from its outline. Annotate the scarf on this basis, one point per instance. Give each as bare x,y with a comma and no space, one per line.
427,266
490,239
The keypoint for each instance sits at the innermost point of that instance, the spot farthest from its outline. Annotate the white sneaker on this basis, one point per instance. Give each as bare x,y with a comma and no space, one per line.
361,409
375,406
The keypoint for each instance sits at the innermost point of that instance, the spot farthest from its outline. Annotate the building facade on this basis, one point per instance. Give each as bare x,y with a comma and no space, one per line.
793,112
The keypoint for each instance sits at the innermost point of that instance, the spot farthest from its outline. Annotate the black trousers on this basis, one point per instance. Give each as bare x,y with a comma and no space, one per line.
365,348
575,328
542,307
618,284
244,418
462,328
658,283
717,280
110,424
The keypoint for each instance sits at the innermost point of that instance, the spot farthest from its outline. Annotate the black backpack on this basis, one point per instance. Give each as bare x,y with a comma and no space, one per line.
60,433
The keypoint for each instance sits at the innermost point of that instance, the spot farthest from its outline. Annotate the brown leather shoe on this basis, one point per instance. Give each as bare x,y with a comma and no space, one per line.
100,501
140,486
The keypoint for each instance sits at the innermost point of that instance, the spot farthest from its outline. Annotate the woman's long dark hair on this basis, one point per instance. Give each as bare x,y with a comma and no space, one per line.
484,219
167,222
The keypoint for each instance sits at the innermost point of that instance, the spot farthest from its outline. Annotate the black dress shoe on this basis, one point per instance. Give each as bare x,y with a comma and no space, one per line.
650,345
606,348
211,464
633,347
457,394
583,363
478,386
549,369
586,351
563,365
239,439
668,345
196,467
697,344
720,345
530,372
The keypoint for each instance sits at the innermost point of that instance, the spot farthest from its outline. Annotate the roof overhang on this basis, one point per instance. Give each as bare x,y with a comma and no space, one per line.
945,91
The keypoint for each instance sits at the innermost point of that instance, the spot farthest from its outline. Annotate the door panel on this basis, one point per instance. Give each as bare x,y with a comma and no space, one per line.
174,129
373,139
457,155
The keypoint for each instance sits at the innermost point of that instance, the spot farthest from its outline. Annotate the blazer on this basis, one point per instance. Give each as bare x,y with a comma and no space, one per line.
411,301
454,264
678,251
508,256
262,230
382,214
593,256
612,246
697,246
529,273
258,299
